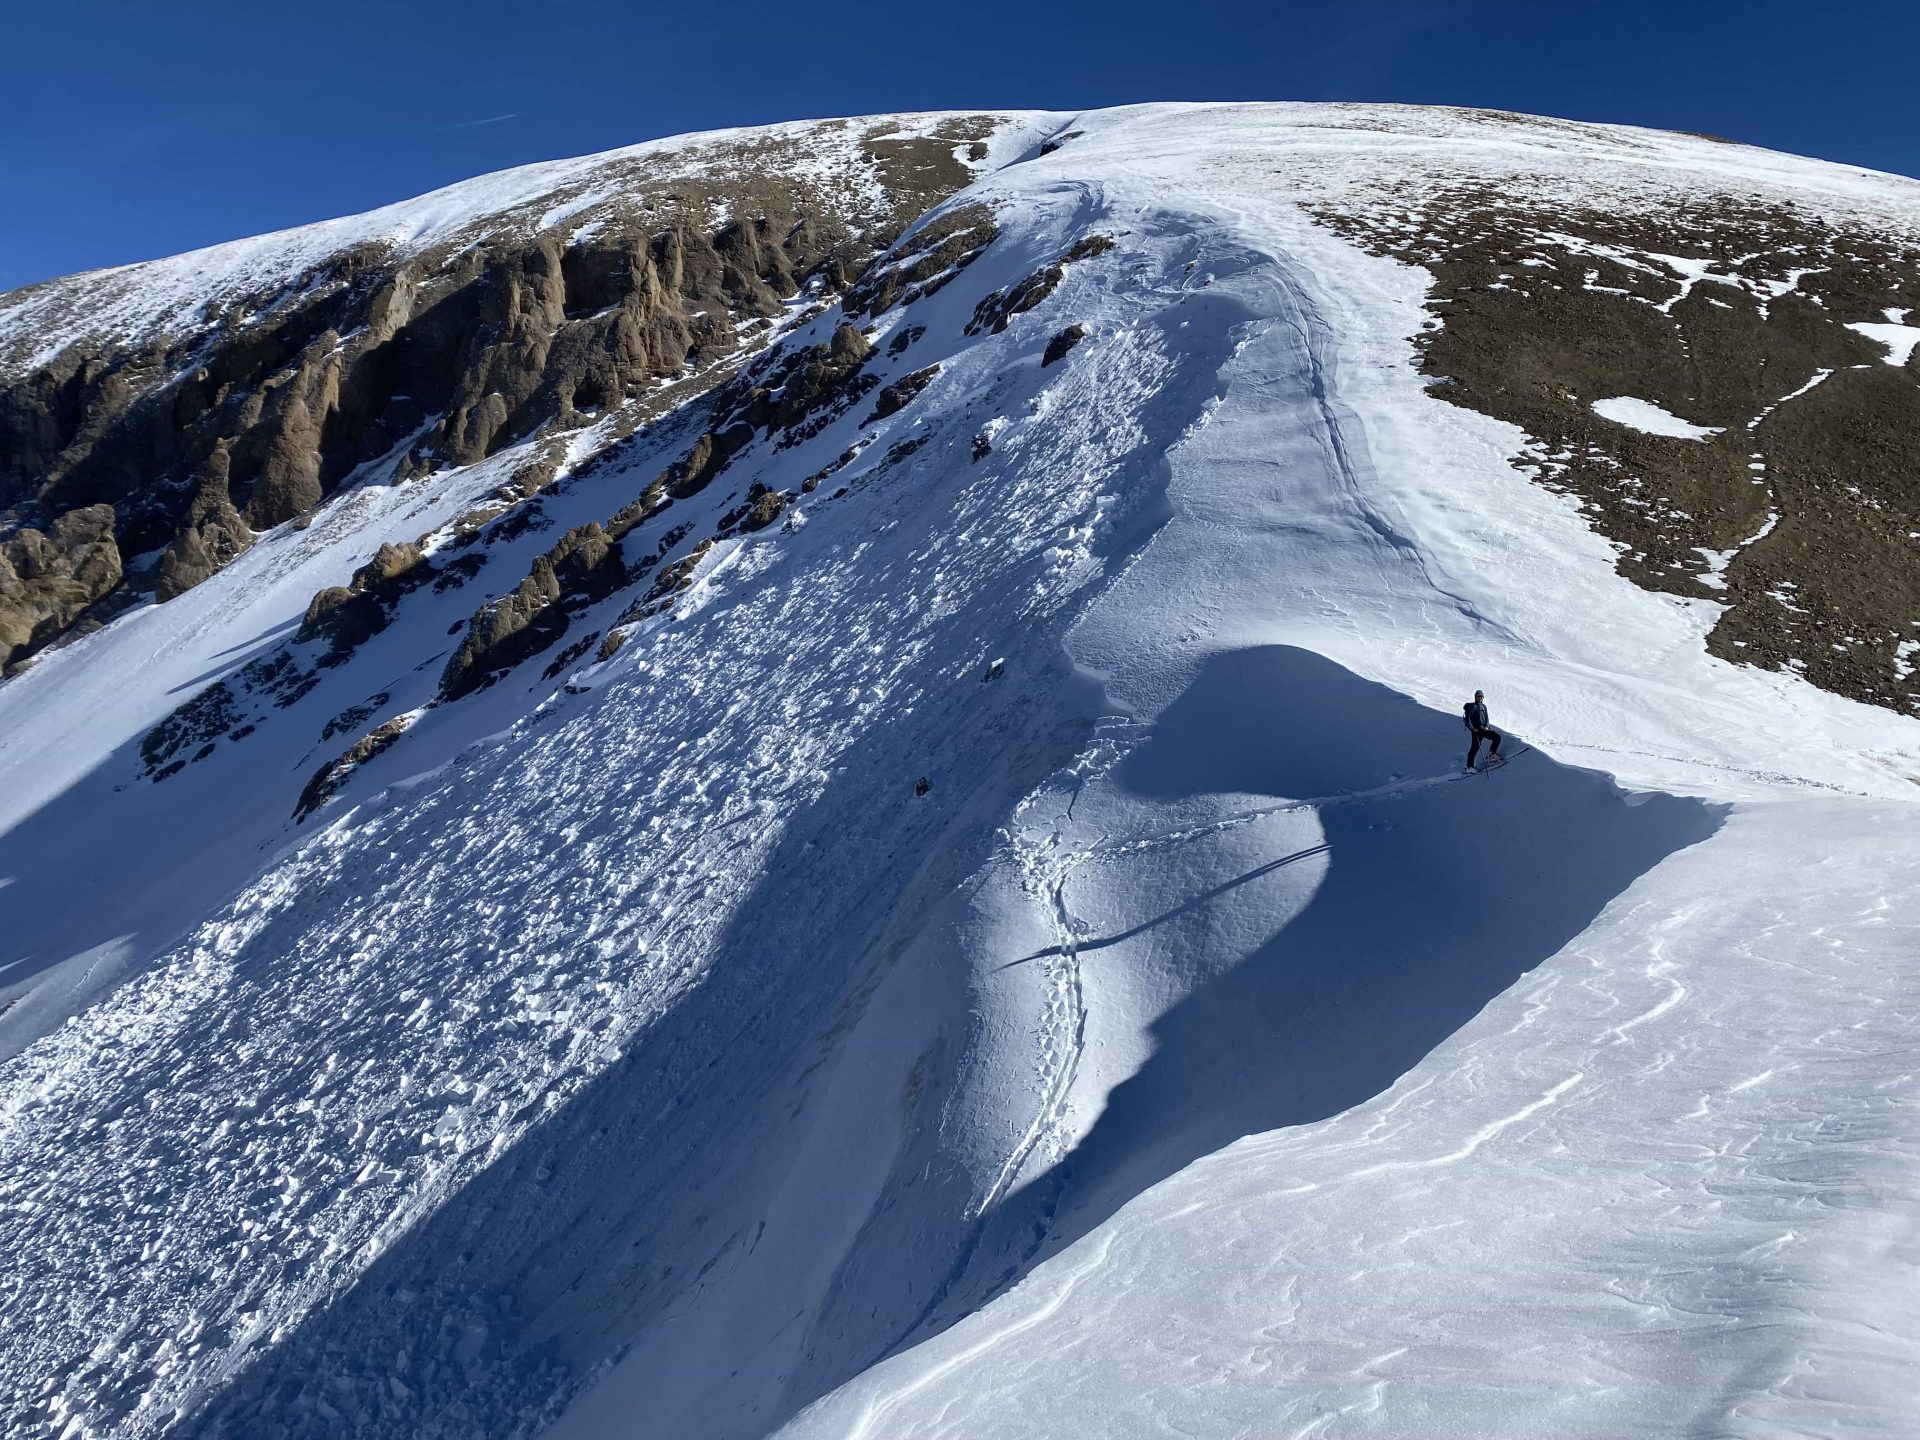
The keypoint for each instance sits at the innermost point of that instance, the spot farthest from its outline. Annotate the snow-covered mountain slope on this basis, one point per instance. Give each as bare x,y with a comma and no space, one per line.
155,418
934,894
132,305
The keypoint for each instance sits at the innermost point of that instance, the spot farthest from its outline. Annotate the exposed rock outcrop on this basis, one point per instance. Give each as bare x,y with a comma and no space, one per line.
241,419
767,507
330,776
792,394
897,396
585,566
49,579
214,532
1061,343
763,507
934,254
997,310
349,615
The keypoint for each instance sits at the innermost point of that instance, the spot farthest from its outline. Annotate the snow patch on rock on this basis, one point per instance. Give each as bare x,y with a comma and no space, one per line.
1900,340
1645,416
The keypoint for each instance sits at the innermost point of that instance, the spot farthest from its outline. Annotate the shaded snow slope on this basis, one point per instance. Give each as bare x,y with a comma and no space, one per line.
634,1052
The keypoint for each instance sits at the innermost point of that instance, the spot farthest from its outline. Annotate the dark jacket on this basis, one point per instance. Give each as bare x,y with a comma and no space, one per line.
1476,715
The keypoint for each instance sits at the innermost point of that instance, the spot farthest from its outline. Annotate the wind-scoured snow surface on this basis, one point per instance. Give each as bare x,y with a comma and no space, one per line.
1201,1054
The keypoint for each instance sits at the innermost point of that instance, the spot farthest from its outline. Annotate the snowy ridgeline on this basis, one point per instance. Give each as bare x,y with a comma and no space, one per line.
129,305
636,1049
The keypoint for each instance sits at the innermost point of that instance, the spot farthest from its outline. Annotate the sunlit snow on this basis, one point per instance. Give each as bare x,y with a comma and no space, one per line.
635,1052
1900,340
1646,416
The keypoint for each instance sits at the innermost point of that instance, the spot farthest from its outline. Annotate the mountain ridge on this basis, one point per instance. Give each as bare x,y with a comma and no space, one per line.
988,776
210,396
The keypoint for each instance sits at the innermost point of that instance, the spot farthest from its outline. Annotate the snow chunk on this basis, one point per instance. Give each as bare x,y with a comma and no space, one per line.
1644,415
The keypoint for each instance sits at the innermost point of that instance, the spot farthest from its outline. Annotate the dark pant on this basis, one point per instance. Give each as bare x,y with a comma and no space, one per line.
1487,733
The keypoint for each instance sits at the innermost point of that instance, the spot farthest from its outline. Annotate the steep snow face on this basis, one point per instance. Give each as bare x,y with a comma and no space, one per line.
1017,911
1657,1187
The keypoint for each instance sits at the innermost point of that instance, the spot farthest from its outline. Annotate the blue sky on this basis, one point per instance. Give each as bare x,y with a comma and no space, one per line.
135,128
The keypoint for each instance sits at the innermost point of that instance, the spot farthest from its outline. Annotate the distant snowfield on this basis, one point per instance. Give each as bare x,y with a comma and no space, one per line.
1202,1054
1648,417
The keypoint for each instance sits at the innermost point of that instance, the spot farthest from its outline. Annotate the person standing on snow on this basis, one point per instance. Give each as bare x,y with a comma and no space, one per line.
1479,729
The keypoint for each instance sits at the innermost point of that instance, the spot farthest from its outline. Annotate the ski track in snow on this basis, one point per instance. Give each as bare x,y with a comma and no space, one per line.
1048,862
645,1040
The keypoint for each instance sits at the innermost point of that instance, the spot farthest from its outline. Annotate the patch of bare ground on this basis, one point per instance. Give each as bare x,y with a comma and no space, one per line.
1800,510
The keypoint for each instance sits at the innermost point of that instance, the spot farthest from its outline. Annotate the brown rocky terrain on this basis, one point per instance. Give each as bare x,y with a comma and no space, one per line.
723,401
49,579
1800,511
190,434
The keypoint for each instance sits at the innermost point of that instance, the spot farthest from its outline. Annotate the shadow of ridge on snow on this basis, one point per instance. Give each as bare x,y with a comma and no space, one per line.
1436,898
648,1186
614,1206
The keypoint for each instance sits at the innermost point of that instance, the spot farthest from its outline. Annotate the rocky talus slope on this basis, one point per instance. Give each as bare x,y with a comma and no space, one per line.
1778,337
